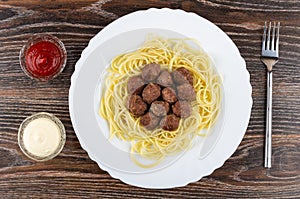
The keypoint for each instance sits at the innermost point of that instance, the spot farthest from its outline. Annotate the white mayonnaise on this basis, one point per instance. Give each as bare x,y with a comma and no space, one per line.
41,137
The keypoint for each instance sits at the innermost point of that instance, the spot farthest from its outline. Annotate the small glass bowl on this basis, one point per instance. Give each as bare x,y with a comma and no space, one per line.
36,38
53,119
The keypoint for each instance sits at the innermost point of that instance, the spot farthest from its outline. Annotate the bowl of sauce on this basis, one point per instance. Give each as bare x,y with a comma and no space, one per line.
41,136
43,57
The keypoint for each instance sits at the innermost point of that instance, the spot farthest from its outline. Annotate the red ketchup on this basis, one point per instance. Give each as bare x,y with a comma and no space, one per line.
43,59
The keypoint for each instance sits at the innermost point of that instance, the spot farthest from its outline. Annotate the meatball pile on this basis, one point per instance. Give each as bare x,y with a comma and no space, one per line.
159,97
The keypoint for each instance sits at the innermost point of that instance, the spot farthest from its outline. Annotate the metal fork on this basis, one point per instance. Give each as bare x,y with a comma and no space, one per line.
269,56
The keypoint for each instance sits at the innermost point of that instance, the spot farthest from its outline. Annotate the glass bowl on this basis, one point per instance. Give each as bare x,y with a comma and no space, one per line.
33,61
22,142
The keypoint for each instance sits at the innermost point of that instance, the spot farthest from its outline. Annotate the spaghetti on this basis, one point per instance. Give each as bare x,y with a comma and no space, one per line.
171,54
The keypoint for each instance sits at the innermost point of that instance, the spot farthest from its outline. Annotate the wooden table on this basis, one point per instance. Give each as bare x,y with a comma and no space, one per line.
73,174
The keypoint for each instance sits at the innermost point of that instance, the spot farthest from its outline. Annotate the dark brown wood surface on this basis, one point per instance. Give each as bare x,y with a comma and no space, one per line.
73,174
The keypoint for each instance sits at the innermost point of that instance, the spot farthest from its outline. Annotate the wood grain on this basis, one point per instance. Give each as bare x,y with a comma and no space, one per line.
73,174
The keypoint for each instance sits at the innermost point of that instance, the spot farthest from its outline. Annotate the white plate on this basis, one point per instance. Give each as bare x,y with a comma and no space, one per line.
127,33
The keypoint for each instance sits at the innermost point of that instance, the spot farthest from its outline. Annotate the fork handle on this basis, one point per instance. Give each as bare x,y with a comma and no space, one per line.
268,139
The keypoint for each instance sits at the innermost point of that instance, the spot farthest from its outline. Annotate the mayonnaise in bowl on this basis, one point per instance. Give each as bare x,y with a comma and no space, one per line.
41,136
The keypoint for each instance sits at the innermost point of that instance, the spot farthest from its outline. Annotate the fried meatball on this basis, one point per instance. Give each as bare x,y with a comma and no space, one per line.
151,92
186,92
135,85
136,105
182,109
182,76
160,108
165,79
150,72
169,95
149,121
170,122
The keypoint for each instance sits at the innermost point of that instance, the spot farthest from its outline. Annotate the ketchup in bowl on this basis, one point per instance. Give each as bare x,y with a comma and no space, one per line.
43,57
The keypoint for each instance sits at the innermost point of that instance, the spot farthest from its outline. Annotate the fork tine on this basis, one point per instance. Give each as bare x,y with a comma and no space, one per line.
268,39
273,37
277,38
263,45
